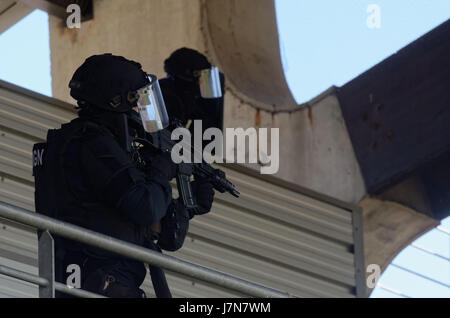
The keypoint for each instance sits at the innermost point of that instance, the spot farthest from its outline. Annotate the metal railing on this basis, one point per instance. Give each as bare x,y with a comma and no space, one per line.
44,283
46,278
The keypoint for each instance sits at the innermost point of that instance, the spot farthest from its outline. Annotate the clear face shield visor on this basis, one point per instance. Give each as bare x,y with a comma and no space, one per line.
209,82
151,106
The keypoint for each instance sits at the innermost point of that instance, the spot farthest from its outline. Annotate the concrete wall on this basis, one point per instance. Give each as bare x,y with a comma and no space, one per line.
315,150
148,33
241,37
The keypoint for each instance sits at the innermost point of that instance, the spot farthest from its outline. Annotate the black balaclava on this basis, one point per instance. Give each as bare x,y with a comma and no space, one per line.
182,93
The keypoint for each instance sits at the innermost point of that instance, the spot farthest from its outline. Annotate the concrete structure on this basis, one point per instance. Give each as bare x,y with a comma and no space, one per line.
253,93
11,12
317,142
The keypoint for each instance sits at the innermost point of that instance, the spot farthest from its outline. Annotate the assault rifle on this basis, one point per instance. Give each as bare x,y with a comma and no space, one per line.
162,141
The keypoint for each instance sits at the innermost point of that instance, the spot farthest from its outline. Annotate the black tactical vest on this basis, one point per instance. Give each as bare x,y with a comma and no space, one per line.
55,198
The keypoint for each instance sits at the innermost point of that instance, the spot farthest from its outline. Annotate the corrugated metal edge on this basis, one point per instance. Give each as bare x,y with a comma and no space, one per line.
356,211
360,272
46,99
291,186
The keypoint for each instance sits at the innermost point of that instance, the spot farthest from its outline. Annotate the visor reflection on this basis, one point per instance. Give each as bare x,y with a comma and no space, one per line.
209,82
152,107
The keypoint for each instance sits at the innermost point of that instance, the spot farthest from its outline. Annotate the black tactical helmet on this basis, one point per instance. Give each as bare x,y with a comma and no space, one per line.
183,62
107,82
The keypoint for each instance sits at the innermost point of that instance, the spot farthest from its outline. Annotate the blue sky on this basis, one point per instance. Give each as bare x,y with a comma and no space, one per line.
327,42
431,266
25,53
323,43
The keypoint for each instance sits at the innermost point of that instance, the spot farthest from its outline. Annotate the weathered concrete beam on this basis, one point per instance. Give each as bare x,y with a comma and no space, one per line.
243,38
388,228
12,12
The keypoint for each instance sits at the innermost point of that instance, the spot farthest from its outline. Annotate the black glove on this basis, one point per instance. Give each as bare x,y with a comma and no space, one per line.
162,164
204,193
174,227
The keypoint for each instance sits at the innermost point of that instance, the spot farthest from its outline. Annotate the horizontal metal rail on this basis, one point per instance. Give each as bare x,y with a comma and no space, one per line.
420,275
136,252
423,249
8,271
40,281
393,291
76,291
443,230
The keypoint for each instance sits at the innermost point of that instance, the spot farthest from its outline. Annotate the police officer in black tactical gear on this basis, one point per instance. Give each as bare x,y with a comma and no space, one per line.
94,175
193,89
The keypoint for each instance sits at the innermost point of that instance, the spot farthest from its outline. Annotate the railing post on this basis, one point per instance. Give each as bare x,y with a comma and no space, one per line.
46,251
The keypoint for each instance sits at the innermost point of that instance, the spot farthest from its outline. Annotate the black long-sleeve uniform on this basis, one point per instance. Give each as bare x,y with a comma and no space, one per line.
87,178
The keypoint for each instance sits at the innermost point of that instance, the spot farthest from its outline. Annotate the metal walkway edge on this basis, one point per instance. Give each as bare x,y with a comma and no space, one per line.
135,252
